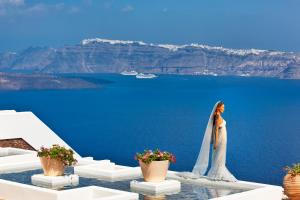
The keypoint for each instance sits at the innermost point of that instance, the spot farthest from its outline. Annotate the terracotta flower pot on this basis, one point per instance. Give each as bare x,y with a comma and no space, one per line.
52,167
156,171
291,186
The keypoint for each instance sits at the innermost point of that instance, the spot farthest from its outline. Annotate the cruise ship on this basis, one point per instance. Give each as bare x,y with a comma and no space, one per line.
145,76
129,73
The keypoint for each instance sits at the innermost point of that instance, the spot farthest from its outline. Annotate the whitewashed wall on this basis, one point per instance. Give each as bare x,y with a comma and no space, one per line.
29,127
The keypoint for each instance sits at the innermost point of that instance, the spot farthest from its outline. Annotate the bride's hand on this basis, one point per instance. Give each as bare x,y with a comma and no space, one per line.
215,146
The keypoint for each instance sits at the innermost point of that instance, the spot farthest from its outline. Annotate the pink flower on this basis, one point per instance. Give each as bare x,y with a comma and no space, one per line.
173,159
148,156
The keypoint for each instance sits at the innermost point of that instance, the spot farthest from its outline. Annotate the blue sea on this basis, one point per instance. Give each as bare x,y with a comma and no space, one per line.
171,112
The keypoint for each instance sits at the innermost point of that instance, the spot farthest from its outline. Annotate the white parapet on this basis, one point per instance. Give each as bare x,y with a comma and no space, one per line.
97,193
90,161
108,171
17,191
265,193
7,111
55,181
16,160
9,151
164,187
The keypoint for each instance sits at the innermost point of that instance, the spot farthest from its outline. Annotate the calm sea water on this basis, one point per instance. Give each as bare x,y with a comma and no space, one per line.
171,113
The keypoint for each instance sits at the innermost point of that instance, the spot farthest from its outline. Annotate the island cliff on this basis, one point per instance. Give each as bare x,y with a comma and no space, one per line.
114,56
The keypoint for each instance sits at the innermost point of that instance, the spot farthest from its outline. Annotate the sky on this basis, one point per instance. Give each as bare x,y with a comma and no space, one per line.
260,24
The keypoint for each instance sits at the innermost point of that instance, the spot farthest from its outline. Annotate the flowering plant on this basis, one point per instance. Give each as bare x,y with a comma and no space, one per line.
294,170
58,152
148,156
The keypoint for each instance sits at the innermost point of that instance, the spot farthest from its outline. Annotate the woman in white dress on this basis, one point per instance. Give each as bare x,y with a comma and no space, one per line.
215,136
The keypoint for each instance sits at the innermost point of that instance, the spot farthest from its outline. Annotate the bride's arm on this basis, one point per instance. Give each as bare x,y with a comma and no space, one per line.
218,123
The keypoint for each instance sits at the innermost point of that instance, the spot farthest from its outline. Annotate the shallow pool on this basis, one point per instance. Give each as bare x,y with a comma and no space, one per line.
188,191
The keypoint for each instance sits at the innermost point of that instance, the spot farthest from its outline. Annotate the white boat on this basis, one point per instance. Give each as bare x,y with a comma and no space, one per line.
141,75
208,73
129,73
245,75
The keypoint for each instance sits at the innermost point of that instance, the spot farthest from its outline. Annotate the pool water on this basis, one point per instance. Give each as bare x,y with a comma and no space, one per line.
188,191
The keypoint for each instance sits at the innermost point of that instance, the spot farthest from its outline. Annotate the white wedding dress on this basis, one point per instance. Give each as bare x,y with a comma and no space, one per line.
218,170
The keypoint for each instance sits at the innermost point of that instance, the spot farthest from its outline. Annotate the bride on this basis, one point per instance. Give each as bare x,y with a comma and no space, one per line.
215,135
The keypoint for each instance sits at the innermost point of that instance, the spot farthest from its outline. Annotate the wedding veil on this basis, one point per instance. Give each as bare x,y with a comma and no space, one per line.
201,165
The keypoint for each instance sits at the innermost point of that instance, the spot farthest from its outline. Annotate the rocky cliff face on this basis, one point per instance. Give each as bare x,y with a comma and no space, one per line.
114,56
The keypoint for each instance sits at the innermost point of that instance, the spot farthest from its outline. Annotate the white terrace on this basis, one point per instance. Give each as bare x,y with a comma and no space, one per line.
29,127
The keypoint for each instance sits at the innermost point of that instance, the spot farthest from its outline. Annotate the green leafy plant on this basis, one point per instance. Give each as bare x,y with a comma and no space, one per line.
58,152
148,156
294,170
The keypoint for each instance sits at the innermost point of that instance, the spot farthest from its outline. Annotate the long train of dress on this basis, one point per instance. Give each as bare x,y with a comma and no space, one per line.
218,170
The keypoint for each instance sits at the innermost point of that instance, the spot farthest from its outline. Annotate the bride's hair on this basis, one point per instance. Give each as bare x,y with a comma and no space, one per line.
216,116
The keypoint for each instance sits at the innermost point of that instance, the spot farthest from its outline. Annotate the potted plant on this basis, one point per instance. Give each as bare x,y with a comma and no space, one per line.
54,160
155,164
291,182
